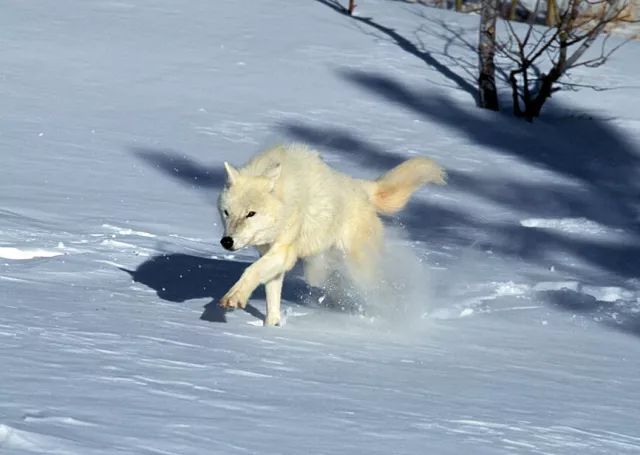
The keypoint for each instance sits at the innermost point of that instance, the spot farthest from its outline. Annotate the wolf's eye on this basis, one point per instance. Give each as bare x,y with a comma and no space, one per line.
226,213
250,214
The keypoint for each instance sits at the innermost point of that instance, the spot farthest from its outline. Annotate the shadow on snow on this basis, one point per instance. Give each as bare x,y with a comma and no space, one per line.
182,277
441,63
586,151
617,315
186,170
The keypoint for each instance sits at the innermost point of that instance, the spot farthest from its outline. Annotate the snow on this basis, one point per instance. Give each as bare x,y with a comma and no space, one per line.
7,252
574,226
516,324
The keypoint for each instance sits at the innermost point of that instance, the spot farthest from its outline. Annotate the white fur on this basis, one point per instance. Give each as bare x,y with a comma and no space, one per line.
305,209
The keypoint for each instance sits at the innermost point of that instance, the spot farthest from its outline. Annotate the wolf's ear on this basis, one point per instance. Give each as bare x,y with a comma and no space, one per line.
232,174
272,175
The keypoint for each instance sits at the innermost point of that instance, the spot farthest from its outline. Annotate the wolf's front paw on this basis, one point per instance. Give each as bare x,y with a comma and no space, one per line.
271,320
234,299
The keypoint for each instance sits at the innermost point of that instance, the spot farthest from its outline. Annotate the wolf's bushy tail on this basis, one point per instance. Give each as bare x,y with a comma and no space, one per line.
391,191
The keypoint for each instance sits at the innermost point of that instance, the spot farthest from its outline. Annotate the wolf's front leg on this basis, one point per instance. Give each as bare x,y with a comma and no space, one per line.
274,293
237,296
275,262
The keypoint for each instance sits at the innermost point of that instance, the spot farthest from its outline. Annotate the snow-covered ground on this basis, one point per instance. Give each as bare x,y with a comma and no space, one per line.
518,330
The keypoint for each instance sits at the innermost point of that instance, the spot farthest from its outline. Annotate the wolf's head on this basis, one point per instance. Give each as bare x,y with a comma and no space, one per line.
249,209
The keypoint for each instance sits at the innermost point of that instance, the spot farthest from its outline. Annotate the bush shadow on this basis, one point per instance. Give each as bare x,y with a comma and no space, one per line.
616,315
597,166
605,195
435,61
186,170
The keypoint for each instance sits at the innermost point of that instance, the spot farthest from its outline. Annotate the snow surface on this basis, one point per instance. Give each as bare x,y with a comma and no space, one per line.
16,253
516,328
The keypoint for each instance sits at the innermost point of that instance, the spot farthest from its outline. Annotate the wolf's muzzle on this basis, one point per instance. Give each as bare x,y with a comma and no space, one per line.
227,243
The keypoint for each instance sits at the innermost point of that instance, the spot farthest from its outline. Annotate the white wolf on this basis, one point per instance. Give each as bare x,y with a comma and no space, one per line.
289,204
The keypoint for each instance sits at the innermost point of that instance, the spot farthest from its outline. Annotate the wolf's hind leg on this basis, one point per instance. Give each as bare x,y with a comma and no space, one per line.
363,248
316,269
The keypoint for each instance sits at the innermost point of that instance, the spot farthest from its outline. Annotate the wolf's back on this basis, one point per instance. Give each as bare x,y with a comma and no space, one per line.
391,191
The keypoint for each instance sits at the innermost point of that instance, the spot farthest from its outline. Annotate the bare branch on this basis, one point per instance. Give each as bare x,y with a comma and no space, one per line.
577,54
577,25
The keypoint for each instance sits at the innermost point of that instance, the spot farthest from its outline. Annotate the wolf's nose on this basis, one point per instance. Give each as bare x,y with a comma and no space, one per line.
227,242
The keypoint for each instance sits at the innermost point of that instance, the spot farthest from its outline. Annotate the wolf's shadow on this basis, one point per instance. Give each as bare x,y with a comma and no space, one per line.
180,277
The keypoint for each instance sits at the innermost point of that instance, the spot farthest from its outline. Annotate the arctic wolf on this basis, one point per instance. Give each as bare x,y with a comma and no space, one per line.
290,205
